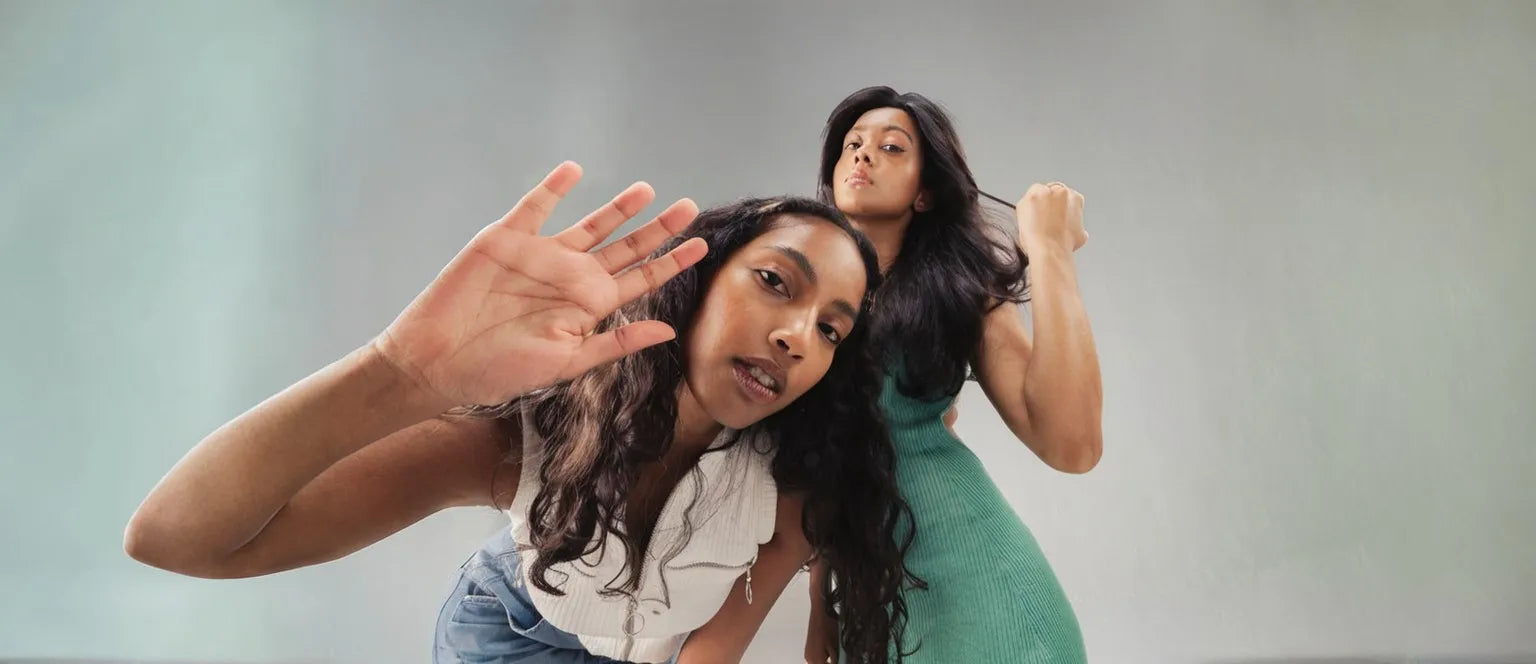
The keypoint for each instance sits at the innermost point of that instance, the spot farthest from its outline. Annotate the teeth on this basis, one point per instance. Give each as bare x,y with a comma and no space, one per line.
763,378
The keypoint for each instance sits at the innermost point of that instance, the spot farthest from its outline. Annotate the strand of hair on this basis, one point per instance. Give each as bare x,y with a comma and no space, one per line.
999,200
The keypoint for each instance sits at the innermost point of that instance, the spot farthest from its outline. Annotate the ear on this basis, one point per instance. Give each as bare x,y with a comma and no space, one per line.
922,203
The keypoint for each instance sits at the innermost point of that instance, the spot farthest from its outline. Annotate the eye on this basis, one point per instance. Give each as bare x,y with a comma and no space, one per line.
773,281
893,148
831,334
851,145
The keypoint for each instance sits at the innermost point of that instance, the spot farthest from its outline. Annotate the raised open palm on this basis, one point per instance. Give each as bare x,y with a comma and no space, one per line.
514,310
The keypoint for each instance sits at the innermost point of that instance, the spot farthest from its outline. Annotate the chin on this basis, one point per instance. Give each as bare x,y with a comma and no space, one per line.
864,206
738,415
740,423
847,199
735,418
741,415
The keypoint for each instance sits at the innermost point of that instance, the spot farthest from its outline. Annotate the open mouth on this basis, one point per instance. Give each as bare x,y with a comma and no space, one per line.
757,381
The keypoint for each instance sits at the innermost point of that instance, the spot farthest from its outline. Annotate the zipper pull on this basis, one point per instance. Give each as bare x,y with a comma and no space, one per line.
633,620
749,577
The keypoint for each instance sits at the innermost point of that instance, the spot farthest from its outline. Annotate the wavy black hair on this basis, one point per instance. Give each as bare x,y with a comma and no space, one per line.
832,444
953,266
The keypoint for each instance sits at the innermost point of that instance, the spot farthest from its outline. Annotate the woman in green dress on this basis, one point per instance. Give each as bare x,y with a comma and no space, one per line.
894,165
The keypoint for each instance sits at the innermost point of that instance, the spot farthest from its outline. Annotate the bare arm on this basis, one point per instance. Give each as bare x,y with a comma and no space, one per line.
821,637
726,636
1047,389
336,462
352,453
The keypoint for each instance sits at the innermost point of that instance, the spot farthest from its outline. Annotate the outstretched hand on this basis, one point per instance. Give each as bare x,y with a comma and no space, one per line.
515,310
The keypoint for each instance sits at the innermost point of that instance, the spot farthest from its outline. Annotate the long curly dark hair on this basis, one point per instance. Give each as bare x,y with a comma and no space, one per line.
832,443
953,266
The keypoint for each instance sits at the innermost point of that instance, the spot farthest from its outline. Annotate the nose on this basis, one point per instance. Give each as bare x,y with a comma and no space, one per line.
792,339
861,155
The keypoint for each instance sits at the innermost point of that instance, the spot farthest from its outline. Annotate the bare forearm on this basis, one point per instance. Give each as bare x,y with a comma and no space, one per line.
821,629
1062,385
226,489
818,579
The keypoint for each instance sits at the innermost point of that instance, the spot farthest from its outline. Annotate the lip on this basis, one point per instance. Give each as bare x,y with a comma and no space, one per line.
858,177
749,385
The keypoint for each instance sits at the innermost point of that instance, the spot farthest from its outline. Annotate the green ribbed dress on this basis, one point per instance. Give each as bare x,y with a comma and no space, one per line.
991,595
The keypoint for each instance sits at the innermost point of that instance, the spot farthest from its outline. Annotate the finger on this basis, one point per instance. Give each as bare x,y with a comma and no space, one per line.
600,349
1035,190
536,205
595,227
644,240
651,274
1060,191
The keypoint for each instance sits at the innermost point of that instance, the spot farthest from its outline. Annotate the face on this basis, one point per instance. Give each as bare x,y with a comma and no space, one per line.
772,319
879,173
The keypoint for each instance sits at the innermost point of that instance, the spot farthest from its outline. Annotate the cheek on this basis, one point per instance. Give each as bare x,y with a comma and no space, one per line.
914,179
695,354
842,166
705,333
721,317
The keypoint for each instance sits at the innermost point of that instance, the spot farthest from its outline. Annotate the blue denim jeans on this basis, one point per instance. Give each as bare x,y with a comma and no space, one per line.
489,619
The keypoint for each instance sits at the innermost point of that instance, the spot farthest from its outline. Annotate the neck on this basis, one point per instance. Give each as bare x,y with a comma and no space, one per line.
886,234
695,429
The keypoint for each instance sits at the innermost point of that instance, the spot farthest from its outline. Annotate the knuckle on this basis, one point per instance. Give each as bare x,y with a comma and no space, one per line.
536,204
618,205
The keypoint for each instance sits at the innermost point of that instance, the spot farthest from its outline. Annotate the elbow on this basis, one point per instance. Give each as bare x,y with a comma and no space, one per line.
1078,462
1075,453
150,544
1068,437
141,543
144,542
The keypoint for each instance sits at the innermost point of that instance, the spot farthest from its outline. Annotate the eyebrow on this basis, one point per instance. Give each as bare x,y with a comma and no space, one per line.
889,127
805,266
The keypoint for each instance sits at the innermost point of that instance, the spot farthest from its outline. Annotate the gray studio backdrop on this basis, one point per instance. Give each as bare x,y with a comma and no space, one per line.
1308,277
